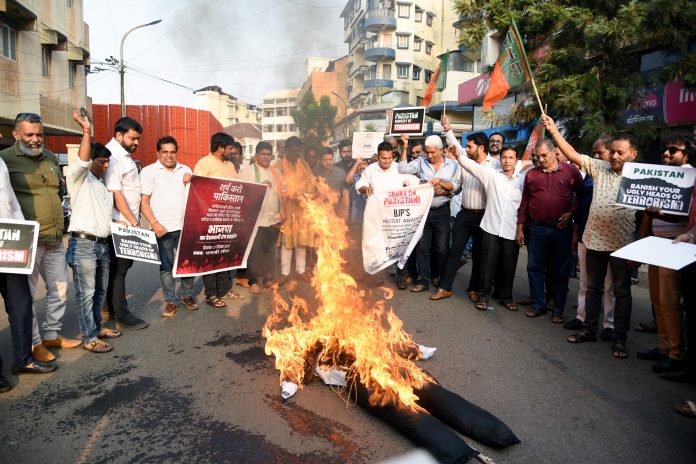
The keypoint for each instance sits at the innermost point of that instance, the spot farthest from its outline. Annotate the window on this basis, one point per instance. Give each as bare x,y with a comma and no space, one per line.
417,44
428,48
428,75
386,40
268,128
402,41
404,10
292,100
72,69
429,19
291,128
459,63
419,15
45,61
8,42
402,71
279,128
281,100
386,71
268,113
416,73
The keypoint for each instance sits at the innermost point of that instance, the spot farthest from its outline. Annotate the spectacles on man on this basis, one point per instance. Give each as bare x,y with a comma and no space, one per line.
31,117
492,141
673,150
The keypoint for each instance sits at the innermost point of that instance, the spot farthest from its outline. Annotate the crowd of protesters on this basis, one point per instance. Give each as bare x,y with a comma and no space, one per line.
558,205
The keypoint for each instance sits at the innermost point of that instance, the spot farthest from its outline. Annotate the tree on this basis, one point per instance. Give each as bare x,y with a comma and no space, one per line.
586,55
314,120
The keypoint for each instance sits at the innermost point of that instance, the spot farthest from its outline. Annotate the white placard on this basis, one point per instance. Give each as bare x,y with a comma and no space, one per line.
659,252
365,144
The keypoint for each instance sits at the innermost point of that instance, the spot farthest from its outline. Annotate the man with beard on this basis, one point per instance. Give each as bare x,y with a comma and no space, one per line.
235,156
335,178
345,149
495,144
123,181
35,178
311,156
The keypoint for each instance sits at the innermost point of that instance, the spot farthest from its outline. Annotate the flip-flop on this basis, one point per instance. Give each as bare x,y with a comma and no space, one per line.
108,333
618,350
510,306
687,408
215,302
232,295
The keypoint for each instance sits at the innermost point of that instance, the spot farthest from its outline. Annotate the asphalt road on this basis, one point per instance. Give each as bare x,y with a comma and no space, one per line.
199,388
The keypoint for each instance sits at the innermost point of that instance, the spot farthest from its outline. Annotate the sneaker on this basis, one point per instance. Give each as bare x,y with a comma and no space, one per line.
189,303
255,289
131,322
170,310
573,324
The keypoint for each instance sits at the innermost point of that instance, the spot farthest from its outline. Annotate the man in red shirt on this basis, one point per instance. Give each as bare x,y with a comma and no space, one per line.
547,210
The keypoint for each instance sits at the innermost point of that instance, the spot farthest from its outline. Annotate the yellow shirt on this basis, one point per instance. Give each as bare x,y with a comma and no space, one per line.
210,166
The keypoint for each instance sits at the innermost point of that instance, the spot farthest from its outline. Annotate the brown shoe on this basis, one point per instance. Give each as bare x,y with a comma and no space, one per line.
189,303
61,342
41,354
170,310
474,296
440,294
255,289
419,288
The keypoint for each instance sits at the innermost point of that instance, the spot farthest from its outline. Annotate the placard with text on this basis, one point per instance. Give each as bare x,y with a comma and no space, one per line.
134,243
668,188
409,121
18,246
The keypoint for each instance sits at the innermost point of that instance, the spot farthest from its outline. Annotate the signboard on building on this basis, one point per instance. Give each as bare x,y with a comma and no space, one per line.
671,103
409,121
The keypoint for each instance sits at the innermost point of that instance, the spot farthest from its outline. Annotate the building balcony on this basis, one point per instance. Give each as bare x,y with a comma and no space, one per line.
380,54
464,21
380,19
379,81
362,69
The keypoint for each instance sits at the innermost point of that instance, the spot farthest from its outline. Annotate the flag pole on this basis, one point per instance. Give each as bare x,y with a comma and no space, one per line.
444,107
526,64
536,92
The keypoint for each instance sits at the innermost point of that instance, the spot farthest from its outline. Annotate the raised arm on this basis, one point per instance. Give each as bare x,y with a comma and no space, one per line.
449,136
85,144
566,148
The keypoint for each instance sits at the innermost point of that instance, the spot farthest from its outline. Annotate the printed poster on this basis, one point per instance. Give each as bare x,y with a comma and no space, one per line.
365,144
219,225
18,246
409,121
393,224
134,243
668,188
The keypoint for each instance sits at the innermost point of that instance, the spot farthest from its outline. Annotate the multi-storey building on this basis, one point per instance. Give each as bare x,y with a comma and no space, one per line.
394,48
277,123
328,78
226,108
44,49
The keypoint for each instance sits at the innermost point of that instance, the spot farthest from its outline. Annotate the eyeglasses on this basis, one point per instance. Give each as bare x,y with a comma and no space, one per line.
491,142
673,150
31,117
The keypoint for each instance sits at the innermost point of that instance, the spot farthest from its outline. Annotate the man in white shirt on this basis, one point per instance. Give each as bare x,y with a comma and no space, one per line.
163,199
90,227
123,180
261,263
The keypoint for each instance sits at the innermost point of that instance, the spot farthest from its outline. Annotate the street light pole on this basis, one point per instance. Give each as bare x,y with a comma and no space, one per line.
122,70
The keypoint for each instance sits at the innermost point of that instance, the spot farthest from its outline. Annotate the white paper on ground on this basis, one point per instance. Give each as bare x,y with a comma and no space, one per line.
331,375
426,351
287,389
659,252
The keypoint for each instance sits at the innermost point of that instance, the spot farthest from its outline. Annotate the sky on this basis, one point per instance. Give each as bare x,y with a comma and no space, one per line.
247,47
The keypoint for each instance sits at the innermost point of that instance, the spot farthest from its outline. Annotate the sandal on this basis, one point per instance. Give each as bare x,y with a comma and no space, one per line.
687,408
482,306
232,295
557,319
536,313
581,337
525,302
510,306
97,346
215,302
108,333
619,349
646,327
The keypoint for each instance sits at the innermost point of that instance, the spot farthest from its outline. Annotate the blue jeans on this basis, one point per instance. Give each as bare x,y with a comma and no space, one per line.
167,249
89,261
548,242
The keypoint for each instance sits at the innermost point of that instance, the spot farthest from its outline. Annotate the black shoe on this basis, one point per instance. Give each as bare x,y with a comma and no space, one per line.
573,324
131,322
39,368
607,334
651,355
668,365
436,281
4,384
401,284
685,376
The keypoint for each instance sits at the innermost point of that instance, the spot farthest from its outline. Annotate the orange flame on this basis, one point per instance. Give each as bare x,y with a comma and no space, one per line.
343,330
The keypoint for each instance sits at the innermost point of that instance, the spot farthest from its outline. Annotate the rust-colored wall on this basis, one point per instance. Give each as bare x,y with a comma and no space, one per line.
190,127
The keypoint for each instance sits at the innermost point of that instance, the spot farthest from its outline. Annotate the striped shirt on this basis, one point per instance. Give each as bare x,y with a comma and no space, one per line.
473,194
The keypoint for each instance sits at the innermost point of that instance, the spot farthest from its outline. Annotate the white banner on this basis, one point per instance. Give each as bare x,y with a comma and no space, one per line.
393,224
365,144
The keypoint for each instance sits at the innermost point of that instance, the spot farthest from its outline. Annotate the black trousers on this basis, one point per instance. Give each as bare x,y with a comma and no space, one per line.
261,262
597,262
498,263
688,276
217,284
116,290
436,232
18,302
465,226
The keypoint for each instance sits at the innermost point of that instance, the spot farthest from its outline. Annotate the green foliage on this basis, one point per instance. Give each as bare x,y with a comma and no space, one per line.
590,73
314,120
369,127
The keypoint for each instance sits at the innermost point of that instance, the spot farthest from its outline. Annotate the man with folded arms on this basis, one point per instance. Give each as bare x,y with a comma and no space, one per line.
88,247
162,203
35,179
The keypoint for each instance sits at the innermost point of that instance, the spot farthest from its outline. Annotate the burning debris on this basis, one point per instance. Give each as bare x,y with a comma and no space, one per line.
363,349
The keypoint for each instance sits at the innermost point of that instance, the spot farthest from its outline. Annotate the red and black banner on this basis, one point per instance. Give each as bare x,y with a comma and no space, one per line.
219,225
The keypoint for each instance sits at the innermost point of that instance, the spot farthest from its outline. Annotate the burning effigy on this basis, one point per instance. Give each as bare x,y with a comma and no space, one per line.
362,347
